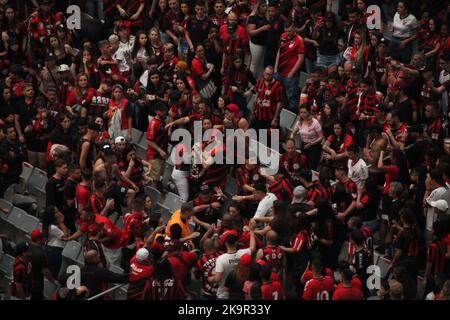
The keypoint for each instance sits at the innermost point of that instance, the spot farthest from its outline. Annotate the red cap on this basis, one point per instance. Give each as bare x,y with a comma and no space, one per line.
36,235
233,108
226,234
246,260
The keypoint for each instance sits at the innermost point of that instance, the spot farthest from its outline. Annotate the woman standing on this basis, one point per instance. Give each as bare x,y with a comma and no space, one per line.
54,230
203,72
404,32
155,42
311,135
63,52
119,107
257,28
140,54
327,35
359,53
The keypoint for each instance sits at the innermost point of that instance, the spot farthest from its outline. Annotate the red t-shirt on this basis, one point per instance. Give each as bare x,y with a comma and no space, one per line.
82,194
319,289
242,33
181,264
272,291
197,67
391,176
157,134
72,99
343,293
289,51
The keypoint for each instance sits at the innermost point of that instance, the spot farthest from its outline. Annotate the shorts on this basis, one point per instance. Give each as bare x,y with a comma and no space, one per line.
156,170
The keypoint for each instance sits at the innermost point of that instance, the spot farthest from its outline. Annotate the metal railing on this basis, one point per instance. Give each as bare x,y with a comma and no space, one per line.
101,294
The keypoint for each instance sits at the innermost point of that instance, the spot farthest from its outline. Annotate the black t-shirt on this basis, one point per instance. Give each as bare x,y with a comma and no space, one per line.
6,109
416,153
328,41
26,112
407,243
55,193
405,110
38,262
231,283
14,155
198,29
260,39
274,34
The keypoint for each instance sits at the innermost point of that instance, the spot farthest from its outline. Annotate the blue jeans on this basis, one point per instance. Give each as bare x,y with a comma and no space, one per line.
327,61
404,54
93,7
292,91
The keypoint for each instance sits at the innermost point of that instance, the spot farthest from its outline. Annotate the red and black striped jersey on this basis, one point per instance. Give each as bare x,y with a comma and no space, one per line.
435,132
368,105
293,164
282,189
436,256
352,100
246,176
157,133
310,191
274,257
322,192
268,95
216,174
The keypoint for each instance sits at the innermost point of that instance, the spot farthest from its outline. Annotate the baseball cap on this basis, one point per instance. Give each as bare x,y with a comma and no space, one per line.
21,248
233,108
63,67
226,235
441,205
299,194
119,139
246,260
142,254
36,235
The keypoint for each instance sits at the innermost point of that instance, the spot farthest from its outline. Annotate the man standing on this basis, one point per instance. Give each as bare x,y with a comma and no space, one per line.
289,60
268,103
157,138
21,287
39,266
435,188
357,167
14,154
182,218
55,185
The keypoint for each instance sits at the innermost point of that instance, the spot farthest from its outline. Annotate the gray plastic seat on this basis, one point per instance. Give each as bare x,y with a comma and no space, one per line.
173,202
5,208
287,119
115,269
73,251
7,266
136,135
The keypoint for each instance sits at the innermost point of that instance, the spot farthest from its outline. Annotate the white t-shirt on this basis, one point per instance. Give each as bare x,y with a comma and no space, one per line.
403,28
54,237
226,263
123,55
435,195
358,172
265,206
443,77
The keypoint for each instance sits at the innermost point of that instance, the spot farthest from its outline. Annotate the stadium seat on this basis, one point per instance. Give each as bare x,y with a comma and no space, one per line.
22,224
37,183
5,208
114,217
136,136
172,202
141,147
74,252
49,289
303,77
165,212
167,174
287,119
384,265
7,265
25,175
120,294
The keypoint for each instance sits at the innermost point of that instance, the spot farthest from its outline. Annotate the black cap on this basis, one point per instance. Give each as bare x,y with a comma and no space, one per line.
22,248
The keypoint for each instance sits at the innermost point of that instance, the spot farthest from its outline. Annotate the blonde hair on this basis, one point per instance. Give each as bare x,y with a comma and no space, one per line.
359,57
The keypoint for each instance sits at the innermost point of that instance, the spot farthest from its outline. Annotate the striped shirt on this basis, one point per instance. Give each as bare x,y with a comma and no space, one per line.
268,95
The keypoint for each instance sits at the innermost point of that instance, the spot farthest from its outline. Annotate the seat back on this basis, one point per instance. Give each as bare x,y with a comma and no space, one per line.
172,201
287,119
5,208
7,265
37,181
136,136
72,251
303,77
27,170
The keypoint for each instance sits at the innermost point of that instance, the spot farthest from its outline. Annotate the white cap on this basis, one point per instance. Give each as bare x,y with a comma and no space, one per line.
441,205
120,139
299,194
64,67
142,254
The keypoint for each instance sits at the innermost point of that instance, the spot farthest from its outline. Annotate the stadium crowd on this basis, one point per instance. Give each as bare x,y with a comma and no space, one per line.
364,171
